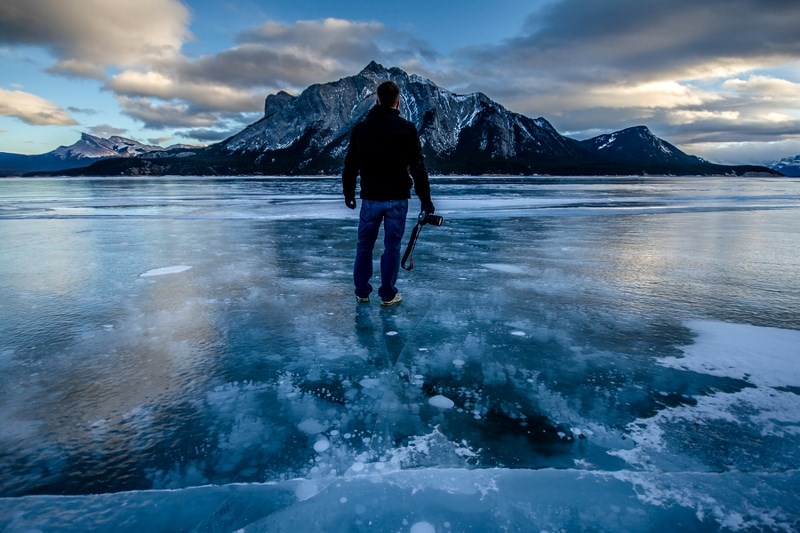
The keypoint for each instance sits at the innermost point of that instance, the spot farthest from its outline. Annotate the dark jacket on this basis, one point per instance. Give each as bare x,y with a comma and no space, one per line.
384,149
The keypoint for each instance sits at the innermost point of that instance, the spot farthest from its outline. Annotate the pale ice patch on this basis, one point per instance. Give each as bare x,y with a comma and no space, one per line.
422,527
322,445
504,267
311,426
518,333
165,270
370,383
763,356
306,489
442,402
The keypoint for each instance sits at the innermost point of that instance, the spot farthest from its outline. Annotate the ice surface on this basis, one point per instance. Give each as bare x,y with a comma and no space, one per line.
611,354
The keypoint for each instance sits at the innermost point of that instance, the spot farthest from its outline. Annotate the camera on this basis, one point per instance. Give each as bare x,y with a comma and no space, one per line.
426,218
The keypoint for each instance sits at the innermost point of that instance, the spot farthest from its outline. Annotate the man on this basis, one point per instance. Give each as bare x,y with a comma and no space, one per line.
384,149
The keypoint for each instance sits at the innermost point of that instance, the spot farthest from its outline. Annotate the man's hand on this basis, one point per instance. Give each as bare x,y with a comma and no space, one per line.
350,202
428,208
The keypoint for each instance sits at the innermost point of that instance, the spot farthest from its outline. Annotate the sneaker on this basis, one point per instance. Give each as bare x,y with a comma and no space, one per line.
361,300
394,301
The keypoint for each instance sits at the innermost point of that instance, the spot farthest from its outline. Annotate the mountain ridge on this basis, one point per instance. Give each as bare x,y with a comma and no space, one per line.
470,133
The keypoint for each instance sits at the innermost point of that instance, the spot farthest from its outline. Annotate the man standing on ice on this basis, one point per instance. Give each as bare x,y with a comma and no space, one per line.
384,149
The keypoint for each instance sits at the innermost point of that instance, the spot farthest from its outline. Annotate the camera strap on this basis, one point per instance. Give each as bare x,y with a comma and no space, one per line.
408,256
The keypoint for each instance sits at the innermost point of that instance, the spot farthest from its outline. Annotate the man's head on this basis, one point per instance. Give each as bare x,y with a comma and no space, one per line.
389,94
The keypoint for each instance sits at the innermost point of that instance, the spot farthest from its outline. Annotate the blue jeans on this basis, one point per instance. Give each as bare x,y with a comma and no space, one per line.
393,215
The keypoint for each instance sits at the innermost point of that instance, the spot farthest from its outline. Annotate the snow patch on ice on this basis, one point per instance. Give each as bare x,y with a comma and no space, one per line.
165,270
763,356
503,267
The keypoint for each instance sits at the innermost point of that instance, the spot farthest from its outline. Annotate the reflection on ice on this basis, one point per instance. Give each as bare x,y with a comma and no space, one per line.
567,356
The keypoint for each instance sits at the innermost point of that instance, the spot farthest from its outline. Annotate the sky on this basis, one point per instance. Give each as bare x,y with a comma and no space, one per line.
718,78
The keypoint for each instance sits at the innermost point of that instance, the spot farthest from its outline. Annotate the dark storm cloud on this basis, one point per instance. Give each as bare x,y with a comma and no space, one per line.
277,55
636,40
202,134
255,66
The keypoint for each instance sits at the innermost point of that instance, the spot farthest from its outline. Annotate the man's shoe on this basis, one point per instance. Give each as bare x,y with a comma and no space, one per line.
394,301
361,300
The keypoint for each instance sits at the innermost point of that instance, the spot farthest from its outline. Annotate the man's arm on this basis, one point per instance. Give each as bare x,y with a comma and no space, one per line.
417,169
350,172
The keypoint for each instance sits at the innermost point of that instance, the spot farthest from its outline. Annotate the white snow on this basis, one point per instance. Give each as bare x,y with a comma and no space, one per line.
763,356
165,270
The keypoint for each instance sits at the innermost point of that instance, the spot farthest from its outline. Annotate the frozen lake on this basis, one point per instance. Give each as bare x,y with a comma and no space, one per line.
605,354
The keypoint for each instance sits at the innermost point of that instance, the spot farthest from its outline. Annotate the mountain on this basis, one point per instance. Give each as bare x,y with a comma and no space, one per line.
460,134
469,133
639,150
89,149
788,166
638,145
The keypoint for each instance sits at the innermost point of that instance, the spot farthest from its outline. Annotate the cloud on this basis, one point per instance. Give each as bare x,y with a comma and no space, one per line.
82,110
159,116
104,130
206,134
631,40
85,36
206,96
33,109
278,55
736,152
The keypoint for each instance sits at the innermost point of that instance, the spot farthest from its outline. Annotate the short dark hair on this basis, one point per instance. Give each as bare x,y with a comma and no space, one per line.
388,93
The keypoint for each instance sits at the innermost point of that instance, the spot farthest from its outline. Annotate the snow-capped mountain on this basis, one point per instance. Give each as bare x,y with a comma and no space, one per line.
459,133
788,166
91,147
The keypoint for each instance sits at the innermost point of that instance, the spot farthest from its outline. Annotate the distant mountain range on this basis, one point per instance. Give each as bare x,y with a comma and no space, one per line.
88,150
309,133
788,166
